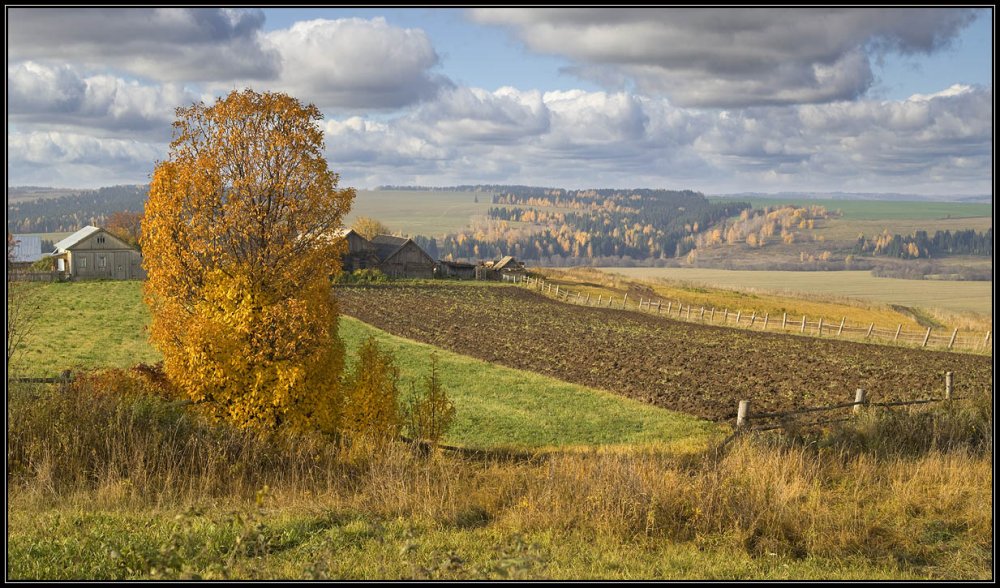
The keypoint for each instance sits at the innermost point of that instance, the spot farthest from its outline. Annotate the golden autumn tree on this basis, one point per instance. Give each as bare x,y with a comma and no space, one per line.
369,228
237,244
126,225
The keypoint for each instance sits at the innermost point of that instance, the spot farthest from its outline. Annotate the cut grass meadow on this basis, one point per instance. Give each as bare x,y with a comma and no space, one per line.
87,325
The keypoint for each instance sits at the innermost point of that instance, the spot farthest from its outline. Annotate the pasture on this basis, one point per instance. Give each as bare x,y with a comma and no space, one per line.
951,296
113,486
412,212
88,325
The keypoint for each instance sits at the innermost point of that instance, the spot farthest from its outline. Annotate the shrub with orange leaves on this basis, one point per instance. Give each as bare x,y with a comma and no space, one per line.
238,244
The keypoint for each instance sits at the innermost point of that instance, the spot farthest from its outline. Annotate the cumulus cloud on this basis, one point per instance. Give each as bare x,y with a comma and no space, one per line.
59,96
930,144
166,44
736,57
55,158
355,63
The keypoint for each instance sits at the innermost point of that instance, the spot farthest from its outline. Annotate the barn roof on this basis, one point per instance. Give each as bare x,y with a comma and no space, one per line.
387,245
76,237
504,261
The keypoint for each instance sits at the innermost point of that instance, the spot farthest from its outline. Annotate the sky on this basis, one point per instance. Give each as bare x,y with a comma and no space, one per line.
717,100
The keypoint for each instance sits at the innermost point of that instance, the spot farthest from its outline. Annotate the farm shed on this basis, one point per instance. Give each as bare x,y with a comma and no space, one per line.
360,253
93,253
396,257
27,249
493,270
457,269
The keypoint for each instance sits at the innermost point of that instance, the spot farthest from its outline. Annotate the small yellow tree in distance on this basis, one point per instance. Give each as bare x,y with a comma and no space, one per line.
237,241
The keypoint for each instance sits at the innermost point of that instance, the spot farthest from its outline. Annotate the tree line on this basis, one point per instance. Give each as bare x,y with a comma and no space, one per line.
538,223
921,245
69,213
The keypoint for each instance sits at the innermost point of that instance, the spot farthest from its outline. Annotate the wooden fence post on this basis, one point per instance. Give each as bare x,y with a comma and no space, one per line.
640,303
859,401
588,299
624,300
784,320
926,337
725,316
869,333
820,330
803,329
953,335
702,315
689,312
765,321
669,304
658,304
738,312
557,290
600,298
743,415
986,339
753,317
712,318
610,299
898,329
841,329
947,385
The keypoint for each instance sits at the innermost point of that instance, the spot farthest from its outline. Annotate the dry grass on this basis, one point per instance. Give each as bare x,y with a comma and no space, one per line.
911,491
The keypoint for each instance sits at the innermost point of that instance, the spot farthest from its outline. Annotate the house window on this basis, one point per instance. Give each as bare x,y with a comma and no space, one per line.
100,239
101,262
83,263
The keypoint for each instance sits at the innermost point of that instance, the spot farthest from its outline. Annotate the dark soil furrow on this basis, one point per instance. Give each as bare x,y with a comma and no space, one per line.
697,369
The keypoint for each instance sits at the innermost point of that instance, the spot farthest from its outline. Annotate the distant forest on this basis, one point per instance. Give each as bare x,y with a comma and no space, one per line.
69,213
555,224
920,245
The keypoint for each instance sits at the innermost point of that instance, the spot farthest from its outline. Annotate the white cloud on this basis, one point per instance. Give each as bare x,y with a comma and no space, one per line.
734,57
54,158
355,63
44,96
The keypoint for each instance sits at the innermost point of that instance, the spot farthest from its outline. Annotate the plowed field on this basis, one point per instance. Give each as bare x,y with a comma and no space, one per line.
700,370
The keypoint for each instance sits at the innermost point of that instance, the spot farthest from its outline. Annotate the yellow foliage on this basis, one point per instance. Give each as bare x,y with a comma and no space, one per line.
238,246
371,402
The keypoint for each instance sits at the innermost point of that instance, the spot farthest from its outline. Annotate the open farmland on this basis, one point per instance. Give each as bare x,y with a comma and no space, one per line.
413,212
698,369
953,296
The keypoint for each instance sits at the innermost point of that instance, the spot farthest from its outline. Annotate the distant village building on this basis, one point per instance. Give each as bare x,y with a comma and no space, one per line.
495,270
397,257
456,269
92,253
27,250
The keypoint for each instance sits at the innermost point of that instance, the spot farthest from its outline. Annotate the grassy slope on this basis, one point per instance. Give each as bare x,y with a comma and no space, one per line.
880,209
101,324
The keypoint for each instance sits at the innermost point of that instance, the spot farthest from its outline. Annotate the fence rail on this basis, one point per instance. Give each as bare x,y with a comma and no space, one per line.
744,415
817,326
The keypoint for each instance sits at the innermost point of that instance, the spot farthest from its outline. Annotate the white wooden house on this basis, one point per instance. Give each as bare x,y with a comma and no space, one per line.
93,253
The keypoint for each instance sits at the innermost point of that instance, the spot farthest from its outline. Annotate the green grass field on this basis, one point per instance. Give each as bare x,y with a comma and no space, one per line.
927,294
102,324
432,214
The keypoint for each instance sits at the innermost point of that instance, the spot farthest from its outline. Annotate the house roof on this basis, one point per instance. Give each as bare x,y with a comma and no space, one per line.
27,248
75,238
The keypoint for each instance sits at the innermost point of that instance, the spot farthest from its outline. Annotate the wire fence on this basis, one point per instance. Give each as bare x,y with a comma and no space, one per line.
745,418
802,325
